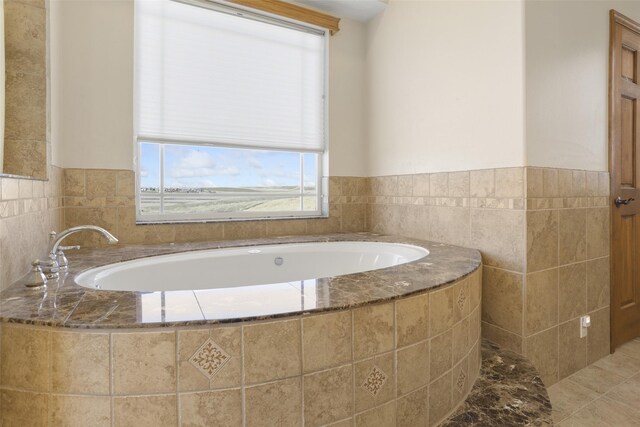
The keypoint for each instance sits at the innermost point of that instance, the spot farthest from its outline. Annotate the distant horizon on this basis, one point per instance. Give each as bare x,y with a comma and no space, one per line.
188,166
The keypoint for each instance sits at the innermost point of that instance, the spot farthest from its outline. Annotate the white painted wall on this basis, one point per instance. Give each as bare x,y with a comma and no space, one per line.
92,82
2,83
445,86
92,87
567,67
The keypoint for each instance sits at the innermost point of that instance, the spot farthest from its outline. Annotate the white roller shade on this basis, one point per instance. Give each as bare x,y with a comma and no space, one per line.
210,76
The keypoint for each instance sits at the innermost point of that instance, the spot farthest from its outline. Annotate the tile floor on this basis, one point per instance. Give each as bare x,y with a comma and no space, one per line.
606,393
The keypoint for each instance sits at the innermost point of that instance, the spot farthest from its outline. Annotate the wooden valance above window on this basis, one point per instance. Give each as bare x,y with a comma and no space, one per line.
292,11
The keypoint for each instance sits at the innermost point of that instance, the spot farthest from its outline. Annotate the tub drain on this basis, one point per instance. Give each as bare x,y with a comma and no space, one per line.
278,260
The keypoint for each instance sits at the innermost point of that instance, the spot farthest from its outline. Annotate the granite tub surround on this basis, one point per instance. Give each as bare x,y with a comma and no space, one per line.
508,392
64,303
106,198
407,357
543,235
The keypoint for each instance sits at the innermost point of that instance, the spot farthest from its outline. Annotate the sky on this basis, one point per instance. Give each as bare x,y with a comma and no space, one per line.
203,166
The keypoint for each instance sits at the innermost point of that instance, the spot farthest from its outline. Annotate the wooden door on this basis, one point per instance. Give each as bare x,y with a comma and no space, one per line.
624,165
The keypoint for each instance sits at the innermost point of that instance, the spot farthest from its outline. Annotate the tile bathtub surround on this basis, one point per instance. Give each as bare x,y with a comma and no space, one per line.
543,234
29,210
249,373
106,198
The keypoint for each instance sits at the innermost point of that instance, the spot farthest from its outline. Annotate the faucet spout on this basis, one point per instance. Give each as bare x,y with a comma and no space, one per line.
64,234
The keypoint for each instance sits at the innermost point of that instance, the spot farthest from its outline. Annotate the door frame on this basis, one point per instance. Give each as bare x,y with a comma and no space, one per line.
613,116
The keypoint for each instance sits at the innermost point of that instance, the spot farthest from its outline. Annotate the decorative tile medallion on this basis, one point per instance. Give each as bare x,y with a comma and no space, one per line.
209,358
375,380
462,299
462,378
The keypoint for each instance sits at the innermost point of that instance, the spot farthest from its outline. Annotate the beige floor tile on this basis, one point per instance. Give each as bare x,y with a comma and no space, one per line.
597,379
628,392
605,412
632,349
620,364
568,397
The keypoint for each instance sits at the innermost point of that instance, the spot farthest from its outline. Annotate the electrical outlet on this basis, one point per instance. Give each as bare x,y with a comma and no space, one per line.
585,322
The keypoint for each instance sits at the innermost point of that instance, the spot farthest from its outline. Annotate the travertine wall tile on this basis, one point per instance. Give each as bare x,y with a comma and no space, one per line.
535,182
374,381
508,340
482,183
439,184
197,349
272,351
411,410
460,384
421,185
382,416
145,411
328,396
460,341
412,319
441,354
572,224
326,341
599,340
598,283
450,225
499,233
18,406
218,408
78,365
509,182
502,294
25,358
458,185
572,287
144,362
542,300
441,314
413,367
542,240
277,403
79,411
597,232
439,399
542,350
373,330
572,350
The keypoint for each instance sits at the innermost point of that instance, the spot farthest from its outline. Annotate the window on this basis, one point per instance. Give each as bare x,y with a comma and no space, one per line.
230,113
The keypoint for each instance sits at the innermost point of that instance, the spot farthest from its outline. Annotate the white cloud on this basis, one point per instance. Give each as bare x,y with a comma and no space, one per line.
255,163
199,164
144,173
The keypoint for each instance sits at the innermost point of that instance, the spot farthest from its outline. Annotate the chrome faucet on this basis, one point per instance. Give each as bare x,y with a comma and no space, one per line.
57,260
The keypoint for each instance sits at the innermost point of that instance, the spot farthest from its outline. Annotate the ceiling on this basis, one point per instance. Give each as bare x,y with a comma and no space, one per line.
358,10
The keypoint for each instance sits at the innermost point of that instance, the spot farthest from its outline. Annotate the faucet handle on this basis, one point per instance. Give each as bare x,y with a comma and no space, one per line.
61,258
38,278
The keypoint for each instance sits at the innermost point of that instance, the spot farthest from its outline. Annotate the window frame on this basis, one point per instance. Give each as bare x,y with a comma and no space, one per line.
322,167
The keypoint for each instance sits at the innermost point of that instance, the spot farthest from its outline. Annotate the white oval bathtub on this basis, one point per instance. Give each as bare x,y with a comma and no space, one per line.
247,266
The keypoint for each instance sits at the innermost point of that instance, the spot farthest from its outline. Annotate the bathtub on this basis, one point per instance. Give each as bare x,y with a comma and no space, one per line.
248,266
355,328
